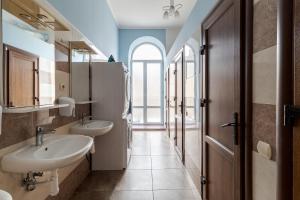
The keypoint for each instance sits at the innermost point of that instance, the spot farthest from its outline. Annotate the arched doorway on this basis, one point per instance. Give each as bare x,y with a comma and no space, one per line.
147,84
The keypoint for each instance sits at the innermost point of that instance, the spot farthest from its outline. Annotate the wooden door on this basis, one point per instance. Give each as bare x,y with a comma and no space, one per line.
167,100
22,78
222,91
172,98
180,107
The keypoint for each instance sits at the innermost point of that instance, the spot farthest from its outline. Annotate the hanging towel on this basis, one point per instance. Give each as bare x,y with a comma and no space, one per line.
67,111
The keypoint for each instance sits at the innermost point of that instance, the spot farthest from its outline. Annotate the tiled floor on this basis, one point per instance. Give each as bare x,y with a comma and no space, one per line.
154,173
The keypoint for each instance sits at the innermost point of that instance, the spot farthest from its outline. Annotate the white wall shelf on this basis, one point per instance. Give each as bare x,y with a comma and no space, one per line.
85,102
33,108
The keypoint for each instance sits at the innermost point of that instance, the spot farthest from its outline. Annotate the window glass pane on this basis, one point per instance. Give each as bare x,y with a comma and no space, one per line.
190,69
189,53
153,84
153,115
138,83
190,87
147,52
138,115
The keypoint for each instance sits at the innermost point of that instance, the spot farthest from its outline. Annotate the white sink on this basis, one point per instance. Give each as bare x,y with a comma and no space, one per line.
57,151
4,195
92,128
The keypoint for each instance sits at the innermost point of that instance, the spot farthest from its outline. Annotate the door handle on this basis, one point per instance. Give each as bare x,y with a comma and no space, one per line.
235,126
229,125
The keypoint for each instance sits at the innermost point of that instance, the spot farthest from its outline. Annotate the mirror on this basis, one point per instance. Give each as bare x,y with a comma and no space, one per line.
80,73
41,60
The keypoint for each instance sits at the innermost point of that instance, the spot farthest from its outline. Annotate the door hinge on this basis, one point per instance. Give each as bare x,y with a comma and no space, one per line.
36,99
203,102
36,71
291,113
203,180
175,71
202,49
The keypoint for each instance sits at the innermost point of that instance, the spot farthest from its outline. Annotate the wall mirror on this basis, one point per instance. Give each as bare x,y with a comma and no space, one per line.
44,58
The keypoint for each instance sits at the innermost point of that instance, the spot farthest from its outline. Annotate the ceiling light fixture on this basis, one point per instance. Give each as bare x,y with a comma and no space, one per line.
172,10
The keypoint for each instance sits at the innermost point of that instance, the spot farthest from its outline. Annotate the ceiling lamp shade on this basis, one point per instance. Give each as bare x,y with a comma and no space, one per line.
166,14
171,10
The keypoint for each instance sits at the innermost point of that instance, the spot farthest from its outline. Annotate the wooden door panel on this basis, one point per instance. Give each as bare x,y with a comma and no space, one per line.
22,79
221,83
222,65
221,175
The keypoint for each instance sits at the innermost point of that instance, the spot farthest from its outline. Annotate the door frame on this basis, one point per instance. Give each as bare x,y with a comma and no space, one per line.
245,12
285,96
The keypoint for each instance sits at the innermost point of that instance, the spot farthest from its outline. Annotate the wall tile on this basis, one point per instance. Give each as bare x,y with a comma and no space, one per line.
16,128
264,178
264,126
62,78
255,1
265,24
63,66
264,76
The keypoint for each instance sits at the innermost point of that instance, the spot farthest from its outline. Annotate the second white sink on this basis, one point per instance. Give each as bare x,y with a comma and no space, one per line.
92,128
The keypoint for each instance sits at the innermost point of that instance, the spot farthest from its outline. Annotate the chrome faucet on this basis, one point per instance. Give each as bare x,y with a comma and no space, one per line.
84,118
40,132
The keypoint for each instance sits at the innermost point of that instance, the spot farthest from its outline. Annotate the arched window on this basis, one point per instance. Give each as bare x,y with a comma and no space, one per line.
147,84
147,51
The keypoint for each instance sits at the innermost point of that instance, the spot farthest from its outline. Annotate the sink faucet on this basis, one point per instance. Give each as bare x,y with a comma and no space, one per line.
84,117
40,132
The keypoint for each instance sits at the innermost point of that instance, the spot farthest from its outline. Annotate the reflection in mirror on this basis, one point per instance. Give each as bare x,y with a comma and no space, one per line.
44,58
29,68
80,70
62,72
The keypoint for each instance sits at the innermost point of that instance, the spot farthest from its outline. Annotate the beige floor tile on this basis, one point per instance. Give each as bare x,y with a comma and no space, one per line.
166,162
92,195
132,195
141,151
171,179
174,195
162,150
140,162
135,180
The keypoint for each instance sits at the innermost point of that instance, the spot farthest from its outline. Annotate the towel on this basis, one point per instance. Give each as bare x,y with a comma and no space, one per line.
67,111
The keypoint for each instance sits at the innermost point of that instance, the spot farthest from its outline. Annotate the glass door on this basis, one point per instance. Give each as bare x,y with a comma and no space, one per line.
138,92
154,93
147,84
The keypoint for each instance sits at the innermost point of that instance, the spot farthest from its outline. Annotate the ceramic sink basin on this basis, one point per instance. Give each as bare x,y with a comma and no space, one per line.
57,151
4,195
92,128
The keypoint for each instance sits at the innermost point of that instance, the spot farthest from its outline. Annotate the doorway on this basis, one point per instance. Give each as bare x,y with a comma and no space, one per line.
147,85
